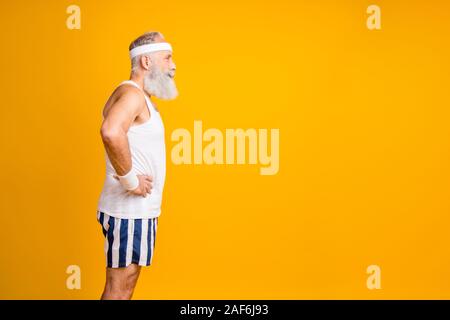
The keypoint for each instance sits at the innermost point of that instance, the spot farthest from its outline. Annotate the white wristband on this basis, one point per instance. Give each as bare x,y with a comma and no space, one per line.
129,181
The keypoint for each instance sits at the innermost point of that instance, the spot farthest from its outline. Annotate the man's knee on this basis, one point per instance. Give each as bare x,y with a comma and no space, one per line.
121,282
132,277
117,294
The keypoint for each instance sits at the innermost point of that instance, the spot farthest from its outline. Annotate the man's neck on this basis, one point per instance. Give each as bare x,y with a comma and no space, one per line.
140,82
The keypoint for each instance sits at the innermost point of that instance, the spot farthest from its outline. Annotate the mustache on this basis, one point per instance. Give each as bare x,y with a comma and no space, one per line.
171,74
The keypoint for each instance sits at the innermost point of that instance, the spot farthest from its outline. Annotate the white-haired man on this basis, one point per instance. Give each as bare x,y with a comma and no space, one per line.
133,136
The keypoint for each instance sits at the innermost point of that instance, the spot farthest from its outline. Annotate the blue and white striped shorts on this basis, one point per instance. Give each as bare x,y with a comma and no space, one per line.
128,240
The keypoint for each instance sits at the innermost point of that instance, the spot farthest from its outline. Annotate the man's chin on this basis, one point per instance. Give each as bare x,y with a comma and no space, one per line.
173,95
161,95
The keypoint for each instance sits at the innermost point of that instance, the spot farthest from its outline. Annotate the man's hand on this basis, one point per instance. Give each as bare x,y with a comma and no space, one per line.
145,185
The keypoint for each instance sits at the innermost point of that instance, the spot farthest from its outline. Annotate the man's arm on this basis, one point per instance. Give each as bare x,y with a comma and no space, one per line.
114,135
115,127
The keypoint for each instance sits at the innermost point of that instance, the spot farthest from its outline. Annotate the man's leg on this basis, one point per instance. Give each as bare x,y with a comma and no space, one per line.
120,282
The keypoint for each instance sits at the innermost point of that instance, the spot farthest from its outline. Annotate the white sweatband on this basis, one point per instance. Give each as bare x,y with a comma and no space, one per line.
151,47
129,181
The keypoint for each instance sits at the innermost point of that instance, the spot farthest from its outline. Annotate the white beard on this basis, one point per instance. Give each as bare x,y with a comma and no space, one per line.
160,84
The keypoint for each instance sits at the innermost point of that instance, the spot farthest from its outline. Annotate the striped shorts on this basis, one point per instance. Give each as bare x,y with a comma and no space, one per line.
128,240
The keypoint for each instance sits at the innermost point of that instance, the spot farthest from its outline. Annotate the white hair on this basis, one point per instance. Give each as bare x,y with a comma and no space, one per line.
160,84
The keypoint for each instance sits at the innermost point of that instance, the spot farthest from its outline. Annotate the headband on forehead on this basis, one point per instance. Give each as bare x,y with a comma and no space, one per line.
147,48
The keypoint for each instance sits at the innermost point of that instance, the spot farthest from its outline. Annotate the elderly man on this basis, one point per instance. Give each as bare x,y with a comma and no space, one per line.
133,135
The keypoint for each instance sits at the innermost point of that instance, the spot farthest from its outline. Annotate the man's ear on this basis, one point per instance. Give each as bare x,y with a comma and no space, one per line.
146,62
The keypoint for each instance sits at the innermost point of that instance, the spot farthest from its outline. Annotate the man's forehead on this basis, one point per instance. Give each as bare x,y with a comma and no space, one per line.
165,53
160,39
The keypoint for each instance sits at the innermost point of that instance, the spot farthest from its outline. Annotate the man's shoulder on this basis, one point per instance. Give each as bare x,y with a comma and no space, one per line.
129,96
126,91
125,96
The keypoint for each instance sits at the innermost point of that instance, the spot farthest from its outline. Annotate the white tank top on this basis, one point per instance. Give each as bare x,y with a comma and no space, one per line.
148,155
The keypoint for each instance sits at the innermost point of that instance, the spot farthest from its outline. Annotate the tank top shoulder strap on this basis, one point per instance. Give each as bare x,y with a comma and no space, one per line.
147,100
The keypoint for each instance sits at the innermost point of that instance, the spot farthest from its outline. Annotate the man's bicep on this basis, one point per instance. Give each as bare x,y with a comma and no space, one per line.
122,113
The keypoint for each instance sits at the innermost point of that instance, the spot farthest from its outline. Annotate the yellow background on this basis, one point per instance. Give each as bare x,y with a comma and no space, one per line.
364,148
